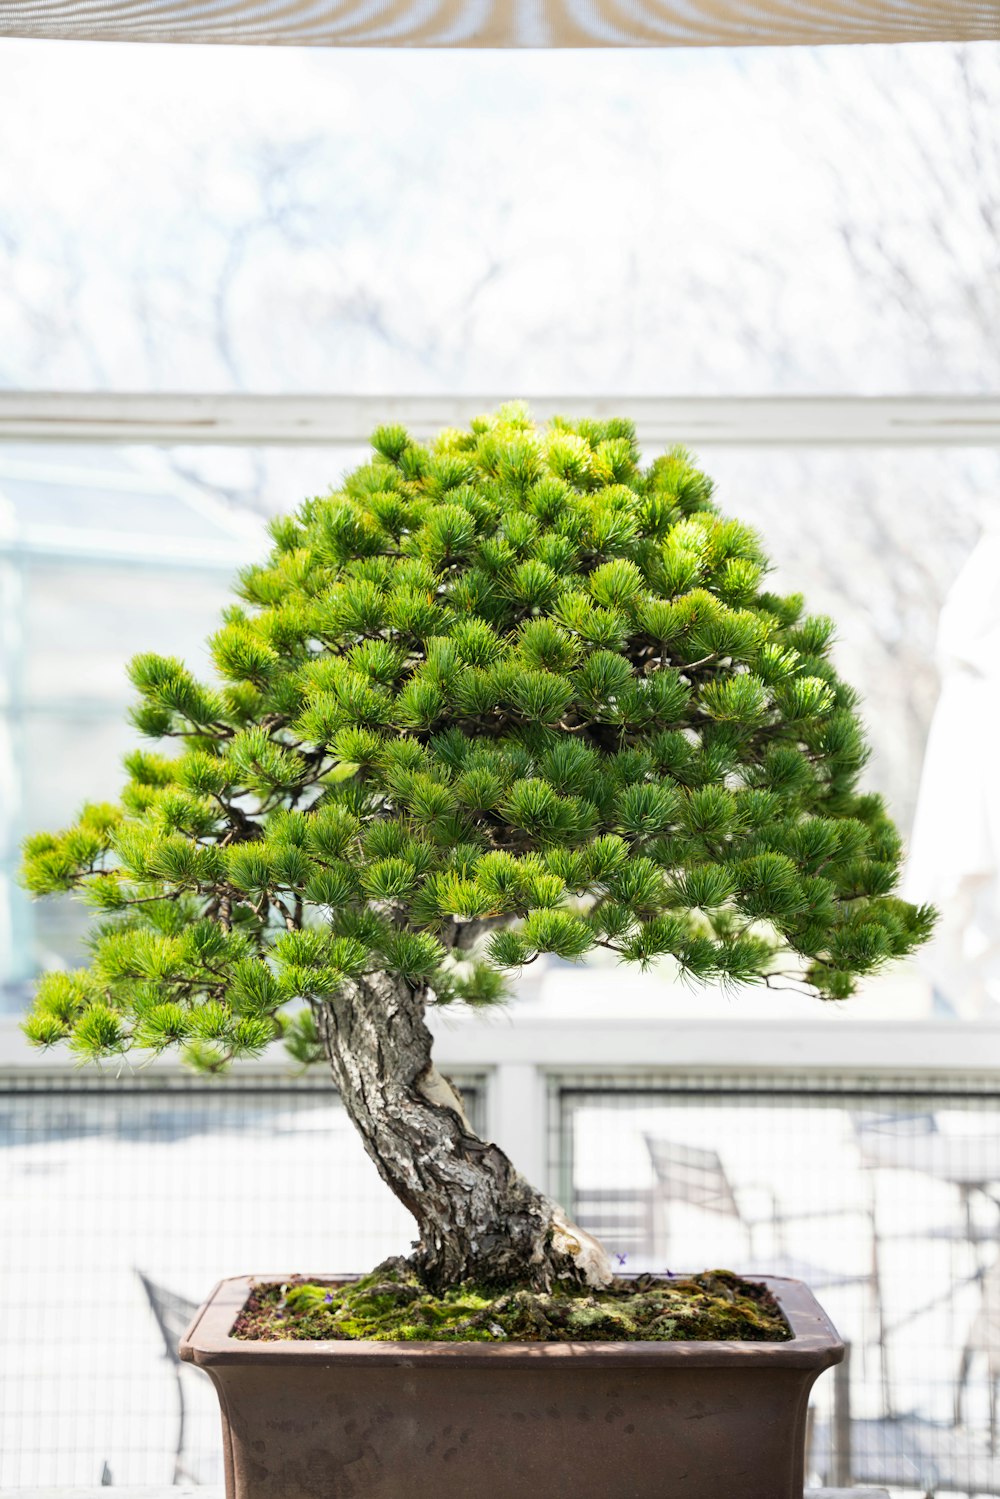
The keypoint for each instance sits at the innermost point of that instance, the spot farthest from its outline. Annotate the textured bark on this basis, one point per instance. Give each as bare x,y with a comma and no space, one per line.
477,1217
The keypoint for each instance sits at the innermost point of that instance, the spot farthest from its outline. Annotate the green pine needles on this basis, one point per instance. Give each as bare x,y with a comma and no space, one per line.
502,695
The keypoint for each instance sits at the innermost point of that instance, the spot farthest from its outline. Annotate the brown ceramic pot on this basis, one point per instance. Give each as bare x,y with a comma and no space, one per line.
344,1420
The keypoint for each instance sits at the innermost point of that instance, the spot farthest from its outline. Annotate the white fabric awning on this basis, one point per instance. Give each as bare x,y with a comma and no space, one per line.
506,23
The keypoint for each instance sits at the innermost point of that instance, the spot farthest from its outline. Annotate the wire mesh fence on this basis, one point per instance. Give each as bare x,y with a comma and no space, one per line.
884,1197
109,1182
125,1199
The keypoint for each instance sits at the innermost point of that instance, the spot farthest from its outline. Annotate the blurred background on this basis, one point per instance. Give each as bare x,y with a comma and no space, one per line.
709,223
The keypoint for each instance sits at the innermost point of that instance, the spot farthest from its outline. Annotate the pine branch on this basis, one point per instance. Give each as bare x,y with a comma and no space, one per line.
505,692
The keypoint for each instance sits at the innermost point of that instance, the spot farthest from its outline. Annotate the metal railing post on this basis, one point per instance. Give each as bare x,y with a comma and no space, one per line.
842,1476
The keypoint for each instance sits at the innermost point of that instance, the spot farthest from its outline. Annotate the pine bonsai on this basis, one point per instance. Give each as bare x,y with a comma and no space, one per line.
503,695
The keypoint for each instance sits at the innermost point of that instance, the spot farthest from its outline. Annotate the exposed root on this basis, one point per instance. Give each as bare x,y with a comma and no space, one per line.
584,1251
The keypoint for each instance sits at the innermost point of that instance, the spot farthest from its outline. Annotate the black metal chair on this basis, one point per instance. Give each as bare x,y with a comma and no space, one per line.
983,1340
173,1314
697,1177
924,1457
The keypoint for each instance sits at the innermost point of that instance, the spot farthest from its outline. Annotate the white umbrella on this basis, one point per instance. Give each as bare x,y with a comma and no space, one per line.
955,851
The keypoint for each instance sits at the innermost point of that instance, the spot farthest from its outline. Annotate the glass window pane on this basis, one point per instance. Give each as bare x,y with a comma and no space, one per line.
687,220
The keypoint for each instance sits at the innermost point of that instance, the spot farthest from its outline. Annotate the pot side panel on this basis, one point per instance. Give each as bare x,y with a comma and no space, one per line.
417,1432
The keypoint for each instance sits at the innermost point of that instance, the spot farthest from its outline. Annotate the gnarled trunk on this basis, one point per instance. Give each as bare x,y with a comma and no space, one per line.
477,1217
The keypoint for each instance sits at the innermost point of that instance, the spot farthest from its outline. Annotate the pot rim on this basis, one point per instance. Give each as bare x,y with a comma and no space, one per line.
814,1343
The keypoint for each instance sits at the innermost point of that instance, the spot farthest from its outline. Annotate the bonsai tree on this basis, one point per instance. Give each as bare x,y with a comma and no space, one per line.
503,695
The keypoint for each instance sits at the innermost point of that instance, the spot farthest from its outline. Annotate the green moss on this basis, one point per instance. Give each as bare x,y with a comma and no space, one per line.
391,1305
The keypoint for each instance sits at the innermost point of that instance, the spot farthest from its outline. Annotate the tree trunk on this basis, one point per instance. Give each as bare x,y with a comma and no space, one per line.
478,1219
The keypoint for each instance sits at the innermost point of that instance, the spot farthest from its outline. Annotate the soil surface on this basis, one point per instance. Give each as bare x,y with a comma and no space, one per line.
391,1305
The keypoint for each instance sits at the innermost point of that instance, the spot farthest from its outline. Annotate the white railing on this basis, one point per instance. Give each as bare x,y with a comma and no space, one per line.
519,1058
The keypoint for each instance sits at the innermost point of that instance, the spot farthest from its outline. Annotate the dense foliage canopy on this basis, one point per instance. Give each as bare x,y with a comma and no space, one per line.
509,687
